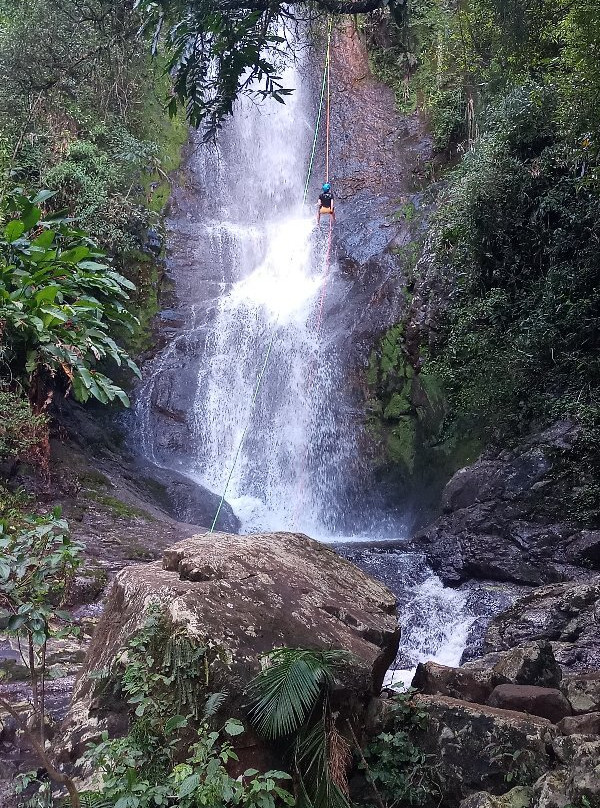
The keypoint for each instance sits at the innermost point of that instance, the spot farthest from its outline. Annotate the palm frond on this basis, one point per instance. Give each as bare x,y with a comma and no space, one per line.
284,694
340,758
318,768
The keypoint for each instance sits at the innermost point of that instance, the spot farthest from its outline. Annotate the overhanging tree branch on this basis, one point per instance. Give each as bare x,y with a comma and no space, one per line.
221,50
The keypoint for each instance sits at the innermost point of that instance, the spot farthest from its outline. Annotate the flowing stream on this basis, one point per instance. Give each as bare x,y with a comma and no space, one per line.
251,276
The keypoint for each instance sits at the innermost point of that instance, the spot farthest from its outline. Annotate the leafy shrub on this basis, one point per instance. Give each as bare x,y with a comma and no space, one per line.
401,772
518,234
20,429
94,179
291,700
59,301
172,715
37,563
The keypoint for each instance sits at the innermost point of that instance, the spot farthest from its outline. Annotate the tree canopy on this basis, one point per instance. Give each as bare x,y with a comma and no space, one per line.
220,50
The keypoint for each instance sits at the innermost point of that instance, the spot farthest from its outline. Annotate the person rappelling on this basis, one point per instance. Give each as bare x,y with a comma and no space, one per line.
326,205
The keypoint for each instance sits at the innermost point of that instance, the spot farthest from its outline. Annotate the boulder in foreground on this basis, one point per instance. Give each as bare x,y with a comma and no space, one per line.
247,595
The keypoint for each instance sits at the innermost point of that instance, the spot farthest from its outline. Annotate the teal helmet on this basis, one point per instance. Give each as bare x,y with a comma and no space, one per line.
326,187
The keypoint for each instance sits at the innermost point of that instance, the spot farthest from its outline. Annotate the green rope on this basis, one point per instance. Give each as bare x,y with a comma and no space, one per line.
321,100
270,346
241,442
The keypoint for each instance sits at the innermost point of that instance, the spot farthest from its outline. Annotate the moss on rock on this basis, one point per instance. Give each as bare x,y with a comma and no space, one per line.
402,442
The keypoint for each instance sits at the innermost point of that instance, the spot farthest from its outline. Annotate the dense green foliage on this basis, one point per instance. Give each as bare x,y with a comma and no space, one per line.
59,302
400,771
224,50
38,560
519,233
173,750
512,254
20,429
290,700
81,112
84,114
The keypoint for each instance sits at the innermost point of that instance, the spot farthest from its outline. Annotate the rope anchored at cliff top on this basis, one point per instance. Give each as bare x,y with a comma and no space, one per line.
324,100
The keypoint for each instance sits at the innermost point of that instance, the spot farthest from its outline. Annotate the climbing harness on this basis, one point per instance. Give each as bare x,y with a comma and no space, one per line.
325,99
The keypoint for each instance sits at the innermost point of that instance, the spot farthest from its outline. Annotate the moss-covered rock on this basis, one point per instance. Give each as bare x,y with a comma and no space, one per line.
402,442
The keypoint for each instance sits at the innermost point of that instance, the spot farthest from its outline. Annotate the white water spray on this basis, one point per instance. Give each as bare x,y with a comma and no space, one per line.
262,246
435,627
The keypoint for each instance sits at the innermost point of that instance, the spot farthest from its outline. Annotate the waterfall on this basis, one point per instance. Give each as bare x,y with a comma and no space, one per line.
252,238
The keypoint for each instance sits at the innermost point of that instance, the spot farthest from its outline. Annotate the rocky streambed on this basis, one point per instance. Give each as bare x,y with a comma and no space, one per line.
519,725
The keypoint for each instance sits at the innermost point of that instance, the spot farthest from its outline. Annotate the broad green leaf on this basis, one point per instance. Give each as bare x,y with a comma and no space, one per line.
121,280
80,391
31,217
234,727
39,638
123,397
57,313
14,230
75,255
94,266
45,239
47,295
43,196
175,722
188,786
86,377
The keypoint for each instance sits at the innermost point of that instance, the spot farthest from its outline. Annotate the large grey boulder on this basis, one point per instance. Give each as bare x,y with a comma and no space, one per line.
517,797
586,724
184,499
583,692
576,778
547,702
531,664
507,517
566,615
433,679
246,595
472,746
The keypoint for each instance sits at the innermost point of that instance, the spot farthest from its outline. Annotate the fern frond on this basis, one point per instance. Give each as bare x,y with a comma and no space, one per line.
213,704
284,694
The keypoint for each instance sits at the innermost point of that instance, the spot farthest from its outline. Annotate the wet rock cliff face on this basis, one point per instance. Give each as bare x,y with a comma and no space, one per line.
507,517
378,162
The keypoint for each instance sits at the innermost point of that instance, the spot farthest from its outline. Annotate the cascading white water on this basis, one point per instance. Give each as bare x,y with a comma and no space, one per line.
261,243
435,627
